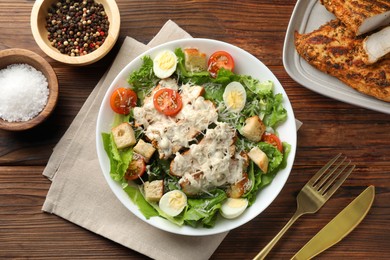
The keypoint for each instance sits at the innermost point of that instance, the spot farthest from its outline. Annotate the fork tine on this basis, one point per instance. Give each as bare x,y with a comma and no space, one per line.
325,178
314,194
337,184
325,187
319,174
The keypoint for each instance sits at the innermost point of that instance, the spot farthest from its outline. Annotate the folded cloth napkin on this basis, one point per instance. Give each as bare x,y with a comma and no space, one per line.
80,194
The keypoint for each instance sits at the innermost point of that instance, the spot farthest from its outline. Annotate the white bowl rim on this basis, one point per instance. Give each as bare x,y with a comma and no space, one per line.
277,184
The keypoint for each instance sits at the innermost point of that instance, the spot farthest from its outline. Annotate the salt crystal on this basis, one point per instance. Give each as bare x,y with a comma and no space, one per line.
23,92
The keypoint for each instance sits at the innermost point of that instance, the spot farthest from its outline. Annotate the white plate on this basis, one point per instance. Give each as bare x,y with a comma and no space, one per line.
245,64
306,17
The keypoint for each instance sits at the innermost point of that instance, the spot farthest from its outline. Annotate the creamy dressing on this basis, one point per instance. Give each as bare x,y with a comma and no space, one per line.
170,134
212,162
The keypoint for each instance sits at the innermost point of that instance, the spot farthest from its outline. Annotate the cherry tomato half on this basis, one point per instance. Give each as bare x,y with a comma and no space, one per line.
122,100
273,139
218,60
167,101
136,169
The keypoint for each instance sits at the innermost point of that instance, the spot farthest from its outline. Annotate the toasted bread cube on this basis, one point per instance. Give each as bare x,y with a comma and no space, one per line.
253,129
145,149
154,190
238,189
259,158
123,135
195,60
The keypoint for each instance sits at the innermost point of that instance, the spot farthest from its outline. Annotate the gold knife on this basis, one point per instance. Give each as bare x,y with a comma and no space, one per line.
339,227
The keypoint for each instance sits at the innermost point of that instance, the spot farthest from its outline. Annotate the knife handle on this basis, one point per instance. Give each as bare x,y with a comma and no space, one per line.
263,253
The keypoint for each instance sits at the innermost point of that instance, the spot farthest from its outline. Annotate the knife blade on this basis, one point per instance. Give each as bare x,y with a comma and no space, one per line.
339,227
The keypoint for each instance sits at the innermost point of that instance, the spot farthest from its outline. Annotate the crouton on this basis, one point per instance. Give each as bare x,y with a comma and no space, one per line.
253,129
154,190
259,158
238,189
145,149
195,61
123,135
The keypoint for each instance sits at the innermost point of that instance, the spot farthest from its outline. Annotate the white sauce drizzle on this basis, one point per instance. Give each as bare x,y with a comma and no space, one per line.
207,164
174,133
212,162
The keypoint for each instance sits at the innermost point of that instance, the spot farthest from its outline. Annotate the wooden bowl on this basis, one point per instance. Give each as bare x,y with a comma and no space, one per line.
22,56
38,26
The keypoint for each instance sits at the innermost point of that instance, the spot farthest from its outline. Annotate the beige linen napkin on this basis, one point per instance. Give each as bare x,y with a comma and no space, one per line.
80,194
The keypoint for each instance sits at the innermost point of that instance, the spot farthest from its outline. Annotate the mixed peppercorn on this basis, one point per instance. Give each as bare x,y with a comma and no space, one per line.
77,27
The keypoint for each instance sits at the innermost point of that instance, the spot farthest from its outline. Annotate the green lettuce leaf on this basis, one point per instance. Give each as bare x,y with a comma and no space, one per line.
136,196
260,179
204,210
119,159
276,113
143,80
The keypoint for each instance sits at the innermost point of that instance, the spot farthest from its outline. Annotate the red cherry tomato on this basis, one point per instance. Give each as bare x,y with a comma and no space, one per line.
273,139
167,101
122,100
218,60
136,169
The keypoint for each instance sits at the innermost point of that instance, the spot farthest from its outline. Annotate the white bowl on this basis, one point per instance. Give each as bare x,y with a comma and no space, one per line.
245,63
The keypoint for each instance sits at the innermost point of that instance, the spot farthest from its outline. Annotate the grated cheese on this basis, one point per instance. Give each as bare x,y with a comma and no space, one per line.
212,162
23,92
173,133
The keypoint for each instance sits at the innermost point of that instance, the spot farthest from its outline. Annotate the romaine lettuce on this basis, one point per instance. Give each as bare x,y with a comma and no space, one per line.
119,159
203,210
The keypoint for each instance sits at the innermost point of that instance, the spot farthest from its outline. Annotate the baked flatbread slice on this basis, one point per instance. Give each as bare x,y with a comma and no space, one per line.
336,51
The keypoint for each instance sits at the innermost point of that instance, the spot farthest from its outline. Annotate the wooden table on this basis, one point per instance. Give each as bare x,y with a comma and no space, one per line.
329,127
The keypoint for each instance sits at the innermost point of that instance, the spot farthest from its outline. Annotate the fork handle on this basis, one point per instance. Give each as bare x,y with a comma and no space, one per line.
263,253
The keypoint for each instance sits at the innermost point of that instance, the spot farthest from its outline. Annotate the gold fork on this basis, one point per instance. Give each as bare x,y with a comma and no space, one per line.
314,194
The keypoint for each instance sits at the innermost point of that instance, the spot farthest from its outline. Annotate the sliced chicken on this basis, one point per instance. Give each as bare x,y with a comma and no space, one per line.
335,50
360,16
210,163
377,45
170,134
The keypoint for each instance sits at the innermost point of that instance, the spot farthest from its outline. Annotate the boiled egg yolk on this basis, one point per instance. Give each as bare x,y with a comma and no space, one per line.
234,96
164,64
173,202
233,208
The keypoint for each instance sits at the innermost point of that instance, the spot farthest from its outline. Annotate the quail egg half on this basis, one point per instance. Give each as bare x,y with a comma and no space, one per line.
234,96
232,208
164,64
173,202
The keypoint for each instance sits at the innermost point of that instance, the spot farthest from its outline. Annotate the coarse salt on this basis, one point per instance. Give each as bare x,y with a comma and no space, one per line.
23,92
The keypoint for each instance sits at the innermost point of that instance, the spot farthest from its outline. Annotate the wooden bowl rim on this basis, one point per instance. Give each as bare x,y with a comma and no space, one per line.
40,34
39,63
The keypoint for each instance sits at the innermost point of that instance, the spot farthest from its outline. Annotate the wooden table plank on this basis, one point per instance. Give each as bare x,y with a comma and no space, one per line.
259,27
